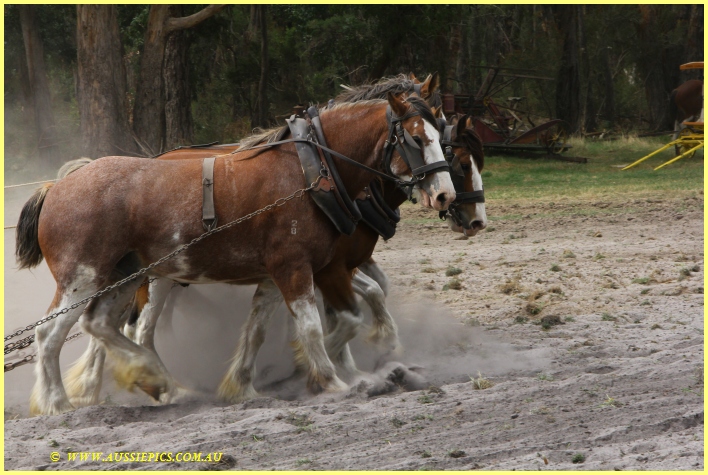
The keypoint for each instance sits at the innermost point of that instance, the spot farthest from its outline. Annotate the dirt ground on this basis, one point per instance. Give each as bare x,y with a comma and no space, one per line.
587,318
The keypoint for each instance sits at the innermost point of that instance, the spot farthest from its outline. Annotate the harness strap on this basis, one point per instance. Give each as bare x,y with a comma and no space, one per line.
208,209
333,152
469,197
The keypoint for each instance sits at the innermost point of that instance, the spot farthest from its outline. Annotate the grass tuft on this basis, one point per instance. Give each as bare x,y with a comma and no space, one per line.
453,271
480,382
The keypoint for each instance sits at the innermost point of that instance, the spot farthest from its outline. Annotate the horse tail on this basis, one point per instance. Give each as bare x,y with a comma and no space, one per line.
673,107
27,250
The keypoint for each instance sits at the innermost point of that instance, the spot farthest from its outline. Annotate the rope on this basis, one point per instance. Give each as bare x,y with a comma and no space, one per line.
28,184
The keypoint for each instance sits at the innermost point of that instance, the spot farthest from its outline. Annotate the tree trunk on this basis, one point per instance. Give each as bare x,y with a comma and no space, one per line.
451,84
149,121
589,122
568,83
149,109
102,102
608,109
659,67
694,43
259,21
179,128
39,86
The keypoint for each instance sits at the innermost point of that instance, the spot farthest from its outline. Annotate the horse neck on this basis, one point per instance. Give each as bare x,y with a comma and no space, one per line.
359,133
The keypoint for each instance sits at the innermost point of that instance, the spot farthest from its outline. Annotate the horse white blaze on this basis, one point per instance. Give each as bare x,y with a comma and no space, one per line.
438,186
479,210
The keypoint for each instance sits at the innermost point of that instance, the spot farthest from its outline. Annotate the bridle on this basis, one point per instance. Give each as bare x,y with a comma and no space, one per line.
401,141
457,175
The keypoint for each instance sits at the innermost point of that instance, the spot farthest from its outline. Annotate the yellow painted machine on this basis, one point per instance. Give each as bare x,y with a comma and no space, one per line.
690,137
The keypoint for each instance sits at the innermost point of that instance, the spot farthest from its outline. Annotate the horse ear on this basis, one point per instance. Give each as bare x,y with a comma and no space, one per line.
434,83
468,124
430,85
411,76
398,105
462,125
436,112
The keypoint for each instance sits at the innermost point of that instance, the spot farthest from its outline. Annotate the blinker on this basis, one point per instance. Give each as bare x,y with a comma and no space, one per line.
409,139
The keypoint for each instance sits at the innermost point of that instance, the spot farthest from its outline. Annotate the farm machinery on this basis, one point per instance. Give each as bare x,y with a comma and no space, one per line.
507,126
690,134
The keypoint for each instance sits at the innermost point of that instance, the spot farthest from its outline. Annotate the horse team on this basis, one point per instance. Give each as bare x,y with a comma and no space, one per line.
106,219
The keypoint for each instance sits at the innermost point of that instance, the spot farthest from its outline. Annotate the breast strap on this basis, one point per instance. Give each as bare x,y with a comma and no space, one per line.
208,209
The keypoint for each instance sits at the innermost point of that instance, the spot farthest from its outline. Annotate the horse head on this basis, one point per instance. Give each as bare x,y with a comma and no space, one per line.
414,152
464,153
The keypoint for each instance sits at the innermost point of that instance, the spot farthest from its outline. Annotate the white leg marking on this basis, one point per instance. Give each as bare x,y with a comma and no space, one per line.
237,384
48,395
384,330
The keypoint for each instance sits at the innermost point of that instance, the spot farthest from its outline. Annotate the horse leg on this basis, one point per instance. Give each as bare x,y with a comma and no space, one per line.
135,365
372,269
309,348
237,384
384,330
343,361
84,378
48,394
158,290
139,302
343,315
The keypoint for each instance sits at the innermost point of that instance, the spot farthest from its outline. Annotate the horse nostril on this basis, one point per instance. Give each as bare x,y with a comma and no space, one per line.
478,225
442,198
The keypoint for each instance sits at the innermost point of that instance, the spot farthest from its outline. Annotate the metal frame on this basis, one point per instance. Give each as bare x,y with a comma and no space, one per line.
690,139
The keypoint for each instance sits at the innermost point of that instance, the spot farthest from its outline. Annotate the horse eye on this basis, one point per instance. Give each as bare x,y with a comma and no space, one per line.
417,140
466,167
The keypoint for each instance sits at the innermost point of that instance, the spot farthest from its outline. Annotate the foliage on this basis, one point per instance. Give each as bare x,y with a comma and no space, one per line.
312,49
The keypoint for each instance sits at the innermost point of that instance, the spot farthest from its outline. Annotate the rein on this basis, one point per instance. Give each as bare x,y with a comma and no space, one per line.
398,138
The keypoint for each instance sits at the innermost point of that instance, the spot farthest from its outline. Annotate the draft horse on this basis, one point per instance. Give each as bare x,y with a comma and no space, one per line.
464,153
115,215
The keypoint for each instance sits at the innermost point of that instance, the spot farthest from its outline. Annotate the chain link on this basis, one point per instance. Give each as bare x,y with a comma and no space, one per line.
277,203
30,358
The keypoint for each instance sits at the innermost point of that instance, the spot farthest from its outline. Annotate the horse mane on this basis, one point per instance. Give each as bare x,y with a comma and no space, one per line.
264,136
278,133
375,90
379,89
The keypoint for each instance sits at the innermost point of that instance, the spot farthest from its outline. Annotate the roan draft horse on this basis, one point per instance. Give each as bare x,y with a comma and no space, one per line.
112,217
466,214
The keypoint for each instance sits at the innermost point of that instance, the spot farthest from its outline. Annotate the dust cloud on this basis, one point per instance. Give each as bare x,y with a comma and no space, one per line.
200,327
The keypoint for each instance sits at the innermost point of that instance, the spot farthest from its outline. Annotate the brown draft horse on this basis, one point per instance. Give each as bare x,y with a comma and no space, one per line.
686,104
117,214
83,381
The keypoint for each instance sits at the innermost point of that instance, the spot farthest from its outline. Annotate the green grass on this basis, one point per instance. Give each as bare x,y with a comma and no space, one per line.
509,177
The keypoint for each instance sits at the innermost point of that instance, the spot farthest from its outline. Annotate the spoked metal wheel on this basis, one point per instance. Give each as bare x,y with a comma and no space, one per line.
557,138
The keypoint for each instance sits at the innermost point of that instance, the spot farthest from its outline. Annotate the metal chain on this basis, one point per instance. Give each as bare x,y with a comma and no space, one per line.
277,203
25,342
30,358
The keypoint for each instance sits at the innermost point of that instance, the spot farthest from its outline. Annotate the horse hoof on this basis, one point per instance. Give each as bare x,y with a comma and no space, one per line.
151,390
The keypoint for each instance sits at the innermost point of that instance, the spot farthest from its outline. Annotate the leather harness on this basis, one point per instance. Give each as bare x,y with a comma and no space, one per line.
330,195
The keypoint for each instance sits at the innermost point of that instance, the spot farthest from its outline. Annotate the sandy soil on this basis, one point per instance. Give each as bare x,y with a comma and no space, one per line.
587,318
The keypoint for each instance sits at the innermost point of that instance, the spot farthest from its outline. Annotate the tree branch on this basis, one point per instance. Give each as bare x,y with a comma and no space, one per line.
174,24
